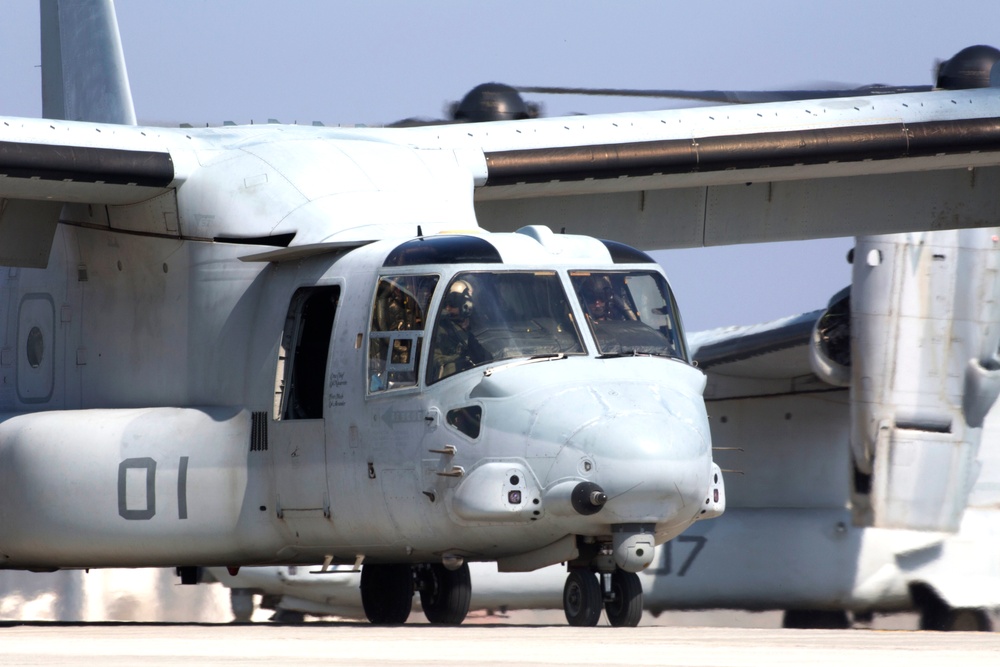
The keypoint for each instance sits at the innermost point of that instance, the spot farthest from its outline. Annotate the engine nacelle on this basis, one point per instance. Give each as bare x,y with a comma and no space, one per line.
830,345
925,326
969,68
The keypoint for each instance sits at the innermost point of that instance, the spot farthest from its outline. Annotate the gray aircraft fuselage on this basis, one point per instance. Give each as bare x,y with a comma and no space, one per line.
149,380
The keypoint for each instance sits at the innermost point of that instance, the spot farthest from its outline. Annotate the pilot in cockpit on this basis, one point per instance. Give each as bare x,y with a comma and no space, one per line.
455,346
600,301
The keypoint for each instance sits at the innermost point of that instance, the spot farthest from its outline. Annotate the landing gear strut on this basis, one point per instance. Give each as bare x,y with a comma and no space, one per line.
619,593
624,606
241,600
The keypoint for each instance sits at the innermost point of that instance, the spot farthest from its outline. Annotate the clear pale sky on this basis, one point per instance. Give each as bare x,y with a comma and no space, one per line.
364,61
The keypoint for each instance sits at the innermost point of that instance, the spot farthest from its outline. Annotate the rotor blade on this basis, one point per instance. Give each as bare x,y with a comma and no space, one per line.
729,96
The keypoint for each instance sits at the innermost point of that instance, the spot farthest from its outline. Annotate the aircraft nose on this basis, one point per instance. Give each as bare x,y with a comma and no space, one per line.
620,450
635,468
642,445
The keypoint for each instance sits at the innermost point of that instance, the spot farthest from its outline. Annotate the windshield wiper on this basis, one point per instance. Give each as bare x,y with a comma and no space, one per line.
633,353
619,354
521,362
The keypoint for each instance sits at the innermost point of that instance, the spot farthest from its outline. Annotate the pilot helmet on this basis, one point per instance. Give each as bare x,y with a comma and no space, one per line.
461,287
458,305
597,287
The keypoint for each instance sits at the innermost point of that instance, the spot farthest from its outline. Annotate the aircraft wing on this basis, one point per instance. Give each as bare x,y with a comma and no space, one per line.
754,173
758,360
666,179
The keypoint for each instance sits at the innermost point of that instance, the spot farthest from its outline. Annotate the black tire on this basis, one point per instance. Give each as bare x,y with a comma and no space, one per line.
935,614
625,608
288,617
582,599
445,594
815,619
945,619
969,620
387,593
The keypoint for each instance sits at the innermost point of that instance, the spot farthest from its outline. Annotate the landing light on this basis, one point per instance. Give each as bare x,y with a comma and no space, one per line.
452,561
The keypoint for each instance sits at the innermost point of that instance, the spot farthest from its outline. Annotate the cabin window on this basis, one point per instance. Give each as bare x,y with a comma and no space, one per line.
492,316
399,315
468,420
630,312
302,355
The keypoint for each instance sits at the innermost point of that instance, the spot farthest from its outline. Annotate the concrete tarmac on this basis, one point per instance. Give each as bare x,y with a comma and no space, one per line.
501,645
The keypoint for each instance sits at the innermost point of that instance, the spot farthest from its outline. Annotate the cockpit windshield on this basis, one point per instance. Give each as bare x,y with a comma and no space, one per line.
491,316
630,312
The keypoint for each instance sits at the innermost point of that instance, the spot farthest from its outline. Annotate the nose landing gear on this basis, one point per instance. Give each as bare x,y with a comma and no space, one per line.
582,598
624,606
619,593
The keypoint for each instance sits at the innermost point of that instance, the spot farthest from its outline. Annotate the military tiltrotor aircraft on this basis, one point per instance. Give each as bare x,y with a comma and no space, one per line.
867,440
304,345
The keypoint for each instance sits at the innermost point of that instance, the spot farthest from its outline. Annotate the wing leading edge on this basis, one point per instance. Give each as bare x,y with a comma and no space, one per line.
741,152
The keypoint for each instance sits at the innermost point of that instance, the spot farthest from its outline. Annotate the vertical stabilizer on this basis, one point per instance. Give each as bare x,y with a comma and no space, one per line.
83,66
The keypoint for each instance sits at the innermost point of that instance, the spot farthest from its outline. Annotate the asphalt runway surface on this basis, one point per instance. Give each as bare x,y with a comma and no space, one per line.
154,644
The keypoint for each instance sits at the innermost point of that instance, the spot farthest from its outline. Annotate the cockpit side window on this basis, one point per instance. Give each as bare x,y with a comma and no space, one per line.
490,316
399,315
630,312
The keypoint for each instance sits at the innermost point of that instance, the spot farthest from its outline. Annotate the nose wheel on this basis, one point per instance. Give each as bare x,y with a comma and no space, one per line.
582,598
618,593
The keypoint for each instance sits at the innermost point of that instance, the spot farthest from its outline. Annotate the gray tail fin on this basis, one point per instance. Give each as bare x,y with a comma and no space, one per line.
83,65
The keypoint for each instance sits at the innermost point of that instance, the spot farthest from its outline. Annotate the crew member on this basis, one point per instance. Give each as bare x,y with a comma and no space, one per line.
601,303
455,346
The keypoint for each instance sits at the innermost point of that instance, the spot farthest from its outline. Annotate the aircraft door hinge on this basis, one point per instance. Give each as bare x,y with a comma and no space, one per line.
447,450
456,471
